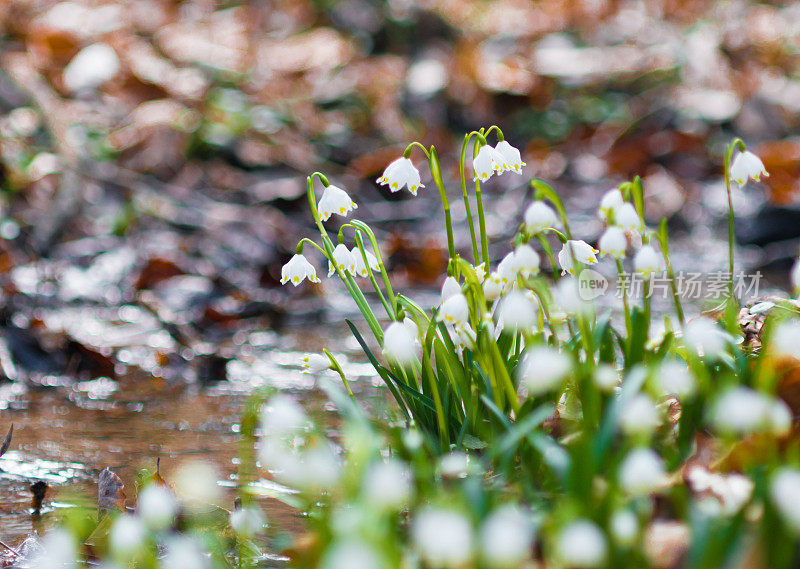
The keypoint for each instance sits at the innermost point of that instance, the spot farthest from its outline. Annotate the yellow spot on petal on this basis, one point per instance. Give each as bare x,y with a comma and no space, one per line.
394,186
296,280
342,210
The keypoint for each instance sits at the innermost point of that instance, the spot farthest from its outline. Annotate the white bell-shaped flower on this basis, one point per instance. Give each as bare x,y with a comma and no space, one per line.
488,162
297,269
388,485
625,216
335,200
542,368
642,471
511,155
315,363
576,250
516,311
400,343
450,287
442,537
613,242
742,411
247,521
523,260
705,337
640,415
674,378
540,216
786,339
747,165
785,495
344,260
507,537
454,310
157,506
358,259
648,261
399,173
492,286
609,203
582,545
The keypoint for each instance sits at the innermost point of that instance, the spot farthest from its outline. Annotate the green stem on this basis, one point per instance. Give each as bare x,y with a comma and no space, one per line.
390,309
736,142
384,273
336,367
436,172
462,174
626,306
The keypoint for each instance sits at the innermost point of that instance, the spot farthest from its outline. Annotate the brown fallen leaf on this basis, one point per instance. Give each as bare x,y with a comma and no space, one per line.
7,441
39,491
111,491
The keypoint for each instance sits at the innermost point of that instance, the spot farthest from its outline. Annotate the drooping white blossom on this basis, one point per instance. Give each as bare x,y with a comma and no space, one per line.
624,527
625,216
606,378
639,415
352,554
400,343
335,200
642,471
512,157
613,242
343,259
747,165
648,261
705,337
442,537
674,378
576,250
388,484
785,495
488,162
582,545
157,507
786,339
247,521
542,368
516,311
454,310
450,287
399,173
741,411
297,269
609,203
315,363
358,259
507,537
540,216
282,415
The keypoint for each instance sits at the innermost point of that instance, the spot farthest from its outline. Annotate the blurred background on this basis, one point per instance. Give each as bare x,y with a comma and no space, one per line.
153,157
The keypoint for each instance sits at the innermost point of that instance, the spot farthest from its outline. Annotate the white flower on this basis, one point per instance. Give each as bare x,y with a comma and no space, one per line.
454,310
625,216
582,545
314,363
648,261
450,287
780,418
462,334
58,551
641,472
609,203
196,484
606,378
400,343
335,200
401,173
542,368
315,469
613,242
297,269
488,161
506,537
387,484
184,553
516,312
741,411
127,535
795,276
352,554
513,160
442,537
786,339
732,491
247,521
674,378
625,527
282,415
639,415
344,260
747,165
492,286
540,216
454,464
576,250
568,296
358,258
705,337
785,494
521,261
157,507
